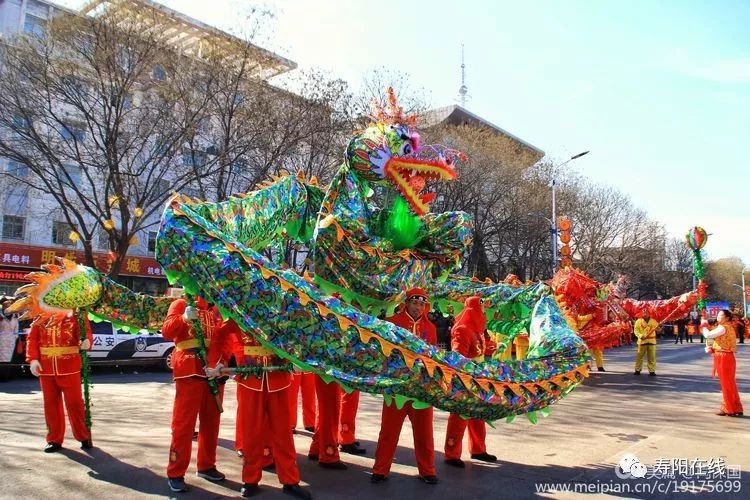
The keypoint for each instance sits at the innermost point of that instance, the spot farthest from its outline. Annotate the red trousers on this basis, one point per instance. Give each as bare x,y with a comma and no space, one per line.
55,388
725,366
305,383
267,450
266,415
193,399
392,420
349,405
454,436
325,442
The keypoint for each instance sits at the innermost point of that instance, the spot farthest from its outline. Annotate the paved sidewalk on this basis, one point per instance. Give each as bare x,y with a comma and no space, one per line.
670,416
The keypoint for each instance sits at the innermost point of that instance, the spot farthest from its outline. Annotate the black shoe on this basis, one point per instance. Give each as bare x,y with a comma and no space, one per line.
333,465
353,449
455,462
484,457
637,372
378,478
652,374
738,414
86,444
212,475
177,484
249,490
601,369
429,479
310,429
312,456
52,447
296,491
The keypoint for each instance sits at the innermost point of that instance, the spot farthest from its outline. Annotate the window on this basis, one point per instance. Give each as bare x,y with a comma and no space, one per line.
17,200
159,74
71,132
35,26
17,169
193,158
102,239
60,233
152,241
74,172
13,227
20,122
162,187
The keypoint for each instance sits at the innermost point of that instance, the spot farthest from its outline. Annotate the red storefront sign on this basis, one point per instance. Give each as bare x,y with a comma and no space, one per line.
33,257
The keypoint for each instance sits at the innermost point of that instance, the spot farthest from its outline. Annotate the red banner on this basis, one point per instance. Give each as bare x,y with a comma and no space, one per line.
33,257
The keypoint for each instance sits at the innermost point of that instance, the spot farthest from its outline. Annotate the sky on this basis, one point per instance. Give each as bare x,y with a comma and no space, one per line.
659,92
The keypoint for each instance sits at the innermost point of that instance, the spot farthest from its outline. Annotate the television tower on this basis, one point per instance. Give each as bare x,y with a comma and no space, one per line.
463,90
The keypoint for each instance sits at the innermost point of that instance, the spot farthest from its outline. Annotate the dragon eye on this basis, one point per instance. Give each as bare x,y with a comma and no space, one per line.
406,149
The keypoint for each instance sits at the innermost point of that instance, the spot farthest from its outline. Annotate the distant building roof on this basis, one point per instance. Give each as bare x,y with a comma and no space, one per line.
191,35
456,115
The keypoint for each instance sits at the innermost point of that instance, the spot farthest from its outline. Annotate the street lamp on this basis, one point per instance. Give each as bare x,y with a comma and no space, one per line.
554,210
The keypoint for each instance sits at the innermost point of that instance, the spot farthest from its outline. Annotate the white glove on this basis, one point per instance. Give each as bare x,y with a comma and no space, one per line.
190,314
36,367
708,349
214,372
85,344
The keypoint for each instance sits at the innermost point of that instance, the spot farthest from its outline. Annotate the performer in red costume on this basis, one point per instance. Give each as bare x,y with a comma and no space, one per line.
265,418
53,353
193,396
412,317
468,339
723,347
349,406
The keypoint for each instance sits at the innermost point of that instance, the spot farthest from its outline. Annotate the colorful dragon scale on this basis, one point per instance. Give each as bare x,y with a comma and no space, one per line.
304,324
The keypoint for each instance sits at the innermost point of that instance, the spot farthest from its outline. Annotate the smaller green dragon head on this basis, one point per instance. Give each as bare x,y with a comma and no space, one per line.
390,152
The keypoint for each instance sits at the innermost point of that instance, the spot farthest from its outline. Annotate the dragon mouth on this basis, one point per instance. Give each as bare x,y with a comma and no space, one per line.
410,175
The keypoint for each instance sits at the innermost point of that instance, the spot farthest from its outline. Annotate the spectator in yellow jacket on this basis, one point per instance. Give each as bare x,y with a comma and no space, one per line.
645,331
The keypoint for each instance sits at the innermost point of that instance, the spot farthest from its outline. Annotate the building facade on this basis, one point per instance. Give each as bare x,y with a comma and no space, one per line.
33,230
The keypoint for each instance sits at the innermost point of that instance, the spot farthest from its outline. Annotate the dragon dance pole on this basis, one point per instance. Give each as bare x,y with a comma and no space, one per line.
696,239
85,367
203,355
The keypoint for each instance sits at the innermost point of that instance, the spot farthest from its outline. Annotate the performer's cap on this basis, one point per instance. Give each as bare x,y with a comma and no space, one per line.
417,294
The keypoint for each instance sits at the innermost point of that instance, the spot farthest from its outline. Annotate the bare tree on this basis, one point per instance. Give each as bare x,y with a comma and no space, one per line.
97,109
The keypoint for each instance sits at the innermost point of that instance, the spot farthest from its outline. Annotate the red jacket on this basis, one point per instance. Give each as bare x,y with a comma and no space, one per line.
421,327
249,352
56,346
186,362
467,335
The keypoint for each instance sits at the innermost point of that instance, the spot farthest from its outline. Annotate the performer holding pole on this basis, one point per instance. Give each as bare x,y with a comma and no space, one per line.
199,334
723,348
54,353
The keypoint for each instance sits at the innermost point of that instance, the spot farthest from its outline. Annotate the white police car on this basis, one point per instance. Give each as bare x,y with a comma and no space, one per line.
116,347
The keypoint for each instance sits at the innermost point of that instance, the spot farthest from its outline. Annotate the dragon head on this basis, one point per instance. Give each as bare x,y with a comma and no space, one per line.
58,290
389,152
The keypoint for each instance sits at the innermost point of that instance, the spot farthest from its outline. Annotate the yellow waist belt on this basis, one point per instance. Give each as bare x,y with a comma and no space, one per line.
257,350
190,344
58,351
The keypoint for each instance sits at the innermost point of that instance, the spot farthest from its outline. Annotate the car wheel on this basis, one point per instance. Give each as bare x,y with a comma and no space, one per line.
167,360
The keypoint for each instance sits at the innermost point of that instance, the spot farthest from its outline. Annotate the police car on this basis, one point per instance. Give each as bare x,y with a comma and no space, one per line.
116,347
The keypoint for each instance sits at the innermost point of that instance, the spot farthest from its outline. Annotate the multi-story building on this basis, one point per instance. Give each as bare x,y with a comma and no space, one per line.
33,231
